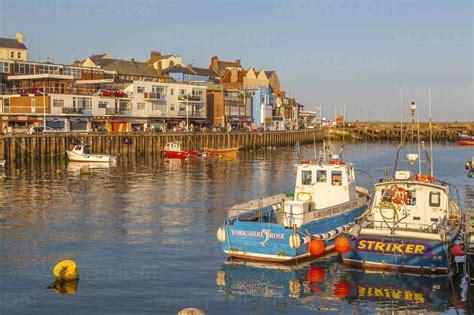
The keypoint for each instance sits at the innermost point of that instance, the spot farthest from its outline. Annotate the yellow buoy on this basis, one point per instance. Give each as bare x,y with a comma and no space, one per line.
66,270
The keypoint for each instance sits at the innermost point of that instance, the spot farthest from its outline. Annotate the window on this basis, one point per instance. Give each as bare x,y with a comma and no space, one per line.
140,89
182,92
6,105
58,103
12,54
141,106
47,69
82,102
171,91
74,72
124,105
306,177
102,104
33,104
24,68
172,107
321,176
336,178
19,55
435,199
3,67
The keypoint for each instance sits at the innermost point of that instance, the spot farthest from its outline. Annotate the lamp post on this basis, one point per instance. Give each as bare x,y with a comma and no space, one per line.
44,106
187,112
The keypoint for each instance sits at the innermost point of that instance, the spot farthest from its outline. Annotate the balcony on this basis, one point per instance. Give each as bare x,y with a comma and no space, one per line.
153,96
113,111
191,114
190,98
72,110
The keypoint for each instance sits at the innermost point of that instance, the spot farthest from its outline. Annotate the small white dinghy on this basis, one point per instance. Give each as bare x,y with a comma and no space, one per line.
81,153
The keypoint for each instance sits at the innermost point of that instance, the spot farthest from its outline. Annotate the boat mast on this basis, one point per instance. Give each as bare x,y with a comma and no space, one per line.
431,134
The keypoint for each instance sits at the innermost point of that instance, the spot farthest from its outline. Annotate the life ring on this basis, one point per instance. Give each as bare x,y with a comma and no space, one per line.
304,193
425,178
399,195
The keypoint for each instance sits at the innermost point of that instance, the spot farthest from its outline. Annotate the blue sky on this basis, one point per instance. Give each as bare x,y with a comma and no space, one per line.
330,53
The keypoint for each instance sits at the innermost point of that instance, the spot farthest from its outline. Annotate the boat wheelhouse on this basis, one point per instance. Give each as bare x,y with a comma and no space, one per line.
286,228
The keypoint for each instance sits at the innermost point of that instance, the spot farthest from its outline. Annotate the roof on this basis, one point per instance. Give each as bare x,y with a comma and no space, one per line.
208,72
156,58
11,43
192,70
131,68
269,73
227,75
101,62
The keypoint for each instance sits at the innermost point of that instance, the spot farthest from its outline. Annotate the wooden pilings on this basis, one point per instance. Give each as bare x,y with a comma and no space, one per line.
23,147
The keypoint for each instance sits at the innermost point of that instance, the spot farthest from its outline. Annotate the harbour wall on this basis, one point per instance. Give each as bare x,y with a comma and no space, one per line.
52,146
20,148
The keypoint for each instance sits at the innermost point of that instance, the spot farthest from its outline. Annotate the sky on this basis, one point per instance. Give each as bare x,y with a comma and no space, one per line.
333,54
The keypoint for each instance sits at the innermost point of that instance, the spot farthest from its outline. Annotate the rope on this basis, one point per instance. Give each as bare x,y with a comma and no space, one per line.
36,153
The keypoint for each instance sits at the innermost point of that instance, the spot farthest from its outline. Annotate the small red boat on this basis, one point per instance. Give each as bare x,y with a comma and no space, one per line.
465,140
173,150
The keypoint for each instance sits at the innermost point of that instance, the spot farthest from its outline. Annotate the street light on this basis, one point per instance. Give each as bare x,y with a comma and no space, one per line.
44,106
187,113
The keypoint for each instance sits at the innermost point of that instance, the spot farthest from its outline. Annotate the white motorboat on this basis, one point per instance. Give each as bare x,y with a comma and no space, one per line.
82,153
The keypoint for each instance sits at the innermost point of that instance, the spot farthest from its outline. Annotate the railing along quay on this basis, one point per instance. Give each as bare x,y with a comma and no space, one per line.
23,147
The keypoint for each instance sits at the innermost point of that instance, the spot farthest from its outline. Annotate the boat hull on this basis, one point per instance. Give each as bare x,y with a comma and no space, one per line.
227,151
270,242
74,157
465,142
392,253
169,154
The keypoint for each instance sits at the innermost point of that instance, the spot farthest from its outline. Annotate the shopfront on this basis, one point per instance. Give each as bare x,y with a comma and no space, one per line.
57,123
78,124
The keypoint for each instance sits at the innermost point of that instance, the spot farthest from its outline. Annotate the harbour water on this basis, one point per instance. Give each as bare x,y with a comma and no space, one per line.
143,236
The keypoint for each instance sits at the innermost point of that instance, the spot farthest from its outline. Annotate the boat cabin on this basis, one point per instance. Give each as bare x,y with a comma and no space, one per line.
411,203
173,146
325,184
319,185
81,149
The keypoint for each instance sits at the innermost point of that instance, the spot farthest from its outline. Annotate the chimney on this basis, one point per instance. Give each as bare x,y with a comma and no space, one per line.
214,63
237,61
190,66
19,37
155,54
234,75
132,60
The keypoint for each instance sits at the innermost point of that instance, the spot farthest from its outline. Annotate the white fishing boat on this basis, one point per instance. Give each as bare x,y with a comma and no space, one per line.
82,153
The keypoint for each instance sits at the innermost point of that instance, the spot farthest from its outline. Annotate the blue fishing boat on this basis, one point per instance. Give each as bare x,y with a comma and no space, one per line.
413,224
294,227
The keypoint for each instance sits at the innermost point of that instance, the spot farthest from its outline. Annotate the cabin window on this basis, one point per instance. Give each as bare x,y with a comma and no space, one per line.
435,199
321,176
336,178
140,89
306,177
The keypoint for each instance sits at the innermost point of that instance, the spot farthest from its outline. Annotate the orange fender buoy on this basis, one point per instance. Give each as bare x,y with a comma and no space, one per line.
342,245
316,247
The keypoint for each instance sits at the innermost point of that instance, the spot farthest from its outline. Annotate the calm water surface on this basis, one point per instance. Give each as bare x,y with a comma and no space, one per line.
143,236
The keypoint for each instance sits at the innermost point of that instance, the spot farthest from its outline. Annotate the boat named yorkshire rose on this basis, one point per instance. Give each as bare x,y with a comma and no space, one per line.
413,224
82,153
291,228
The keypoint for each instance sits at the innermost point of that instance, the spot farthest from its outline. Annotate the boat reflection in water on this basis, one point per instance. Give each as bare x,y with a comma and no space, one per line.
75,167
328,286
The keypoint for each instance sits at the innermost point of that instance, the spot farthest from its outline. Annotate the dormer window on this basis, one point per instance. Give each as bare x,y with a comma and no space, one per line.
19,55
12,54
